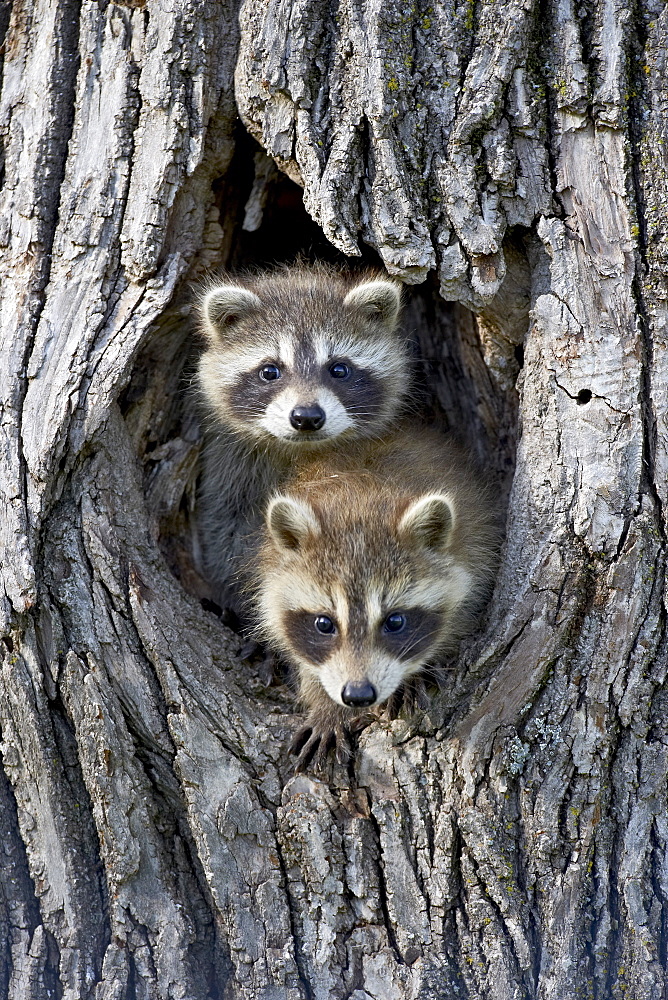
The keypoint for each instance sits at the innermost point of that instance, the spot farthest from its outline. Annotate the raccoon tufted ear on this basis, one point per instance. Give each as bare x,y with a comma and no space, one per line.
429,521
222,306
379,300
291,522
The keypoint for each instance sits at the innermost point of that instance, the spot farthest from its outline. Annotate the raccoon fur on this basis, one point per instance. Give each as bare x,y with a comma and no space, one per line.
295,360
374,561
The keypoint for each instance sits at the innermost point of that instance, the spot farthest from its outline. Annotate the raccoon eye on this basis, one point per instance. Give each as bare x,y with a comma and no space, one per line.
324,624
395,622
339,370
268,373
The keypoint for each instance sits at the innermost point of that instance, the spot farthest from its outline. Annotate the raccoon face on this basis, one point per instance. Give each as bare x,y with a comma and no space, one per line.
303,361
362,607
361,663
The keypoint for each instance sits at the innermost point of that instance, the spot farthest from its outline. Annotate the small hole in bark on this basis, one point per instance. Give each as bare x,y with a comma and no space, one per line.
9,642
583,396
519,355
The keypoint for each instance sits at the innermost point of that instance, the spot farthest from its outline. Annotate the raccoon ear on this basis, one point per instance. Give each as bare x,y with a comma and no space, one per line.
429,521
291,522
223,306
380,300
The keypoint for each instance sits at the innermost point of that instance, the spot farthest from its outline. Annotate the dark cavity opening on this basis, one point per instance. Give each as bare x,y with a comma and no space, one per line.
263,212
462,383
583,396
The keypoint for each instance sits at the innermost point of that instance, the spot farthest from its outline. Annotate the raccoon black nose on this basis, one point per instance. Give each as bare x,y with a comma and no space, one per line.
357,694
307,418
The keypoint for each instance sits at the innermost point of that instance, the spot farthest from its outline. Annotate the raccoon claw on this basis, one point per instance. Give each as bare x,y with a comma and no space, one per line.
313,746
304,745
393,705
413,696
266,670
249,650
356,726
300,739
420,695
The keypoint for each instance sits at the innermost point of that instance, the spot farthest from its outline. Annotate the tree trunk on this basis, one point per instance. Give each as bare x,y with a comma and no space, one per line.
512,843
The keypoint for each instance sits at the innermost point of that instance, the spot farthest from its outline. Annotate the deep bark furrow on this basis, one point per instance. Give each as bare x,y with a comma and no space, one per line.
5,15
32,176
19,908
55,826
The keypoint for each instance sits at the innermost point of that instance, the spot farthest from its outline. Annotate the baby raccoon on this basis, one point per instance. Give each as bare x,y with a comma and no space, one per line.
295,360
373,563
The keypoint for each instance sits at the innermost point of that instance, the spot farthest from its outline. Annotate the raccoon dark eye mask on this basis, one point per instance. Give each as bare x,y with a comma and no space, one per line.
415,637
251,392
309,641
406,634
361,393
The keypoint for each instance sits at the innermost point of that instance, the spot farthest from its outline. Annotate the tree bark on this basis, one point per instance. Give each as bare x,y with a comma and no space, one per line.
507,160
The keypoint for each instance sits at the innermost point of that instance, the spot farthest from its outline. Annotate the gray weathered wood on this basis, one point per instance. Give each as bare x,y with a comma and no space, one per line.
511,843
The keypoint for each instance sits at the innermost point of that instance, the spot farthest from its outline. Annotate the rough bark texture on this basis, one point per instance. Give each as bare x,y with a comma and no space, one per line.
512,843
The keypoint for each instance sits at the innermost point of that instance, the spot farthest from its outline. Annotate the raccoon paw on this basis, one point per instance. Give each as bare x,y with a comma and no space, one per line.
413,696
313,745
316,743
418,696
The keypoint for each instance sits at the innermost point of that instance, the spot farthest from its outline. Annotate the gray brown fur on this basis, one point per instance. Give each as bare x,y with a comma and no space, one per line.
302,319
352,536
